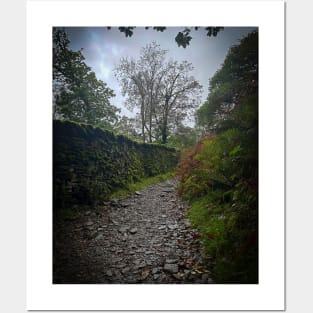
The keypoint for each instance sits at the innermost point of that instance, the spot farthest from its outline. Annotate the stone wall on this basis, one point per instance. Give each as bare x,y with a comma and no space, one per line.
89,163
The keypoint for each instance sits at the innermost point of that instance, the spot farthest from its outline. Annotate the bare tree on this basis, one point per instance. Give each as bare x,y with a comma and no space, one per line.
164,91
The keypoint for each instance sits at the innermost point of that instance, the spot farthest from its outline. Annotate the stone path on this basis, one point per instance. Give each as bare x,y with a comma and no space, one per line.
145,238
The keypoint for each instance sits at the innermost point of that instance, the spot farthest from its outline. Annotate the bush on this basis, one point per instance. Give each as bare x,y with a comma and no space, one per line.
219,180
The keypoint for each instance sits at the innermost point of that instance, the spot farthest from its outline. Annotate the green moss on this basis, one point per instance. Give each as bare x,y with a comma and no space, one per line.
90,164
139,185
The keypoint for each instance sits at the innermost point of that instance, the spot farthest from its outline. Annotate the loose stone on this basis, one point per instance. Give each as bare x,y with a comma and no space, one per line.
140,239
100,236
171,268
109,273
171,261
133,230
145,274
123,229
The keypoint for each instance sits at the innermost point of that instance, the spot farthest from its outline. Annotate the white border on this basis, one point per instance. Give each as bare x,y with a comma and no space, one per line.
41,293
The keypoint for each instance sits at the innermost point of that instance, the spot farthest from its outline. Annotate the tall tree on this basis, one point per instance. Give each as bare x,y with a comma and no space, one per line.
140,81
127,127
164,91
235,80
77,93
179,93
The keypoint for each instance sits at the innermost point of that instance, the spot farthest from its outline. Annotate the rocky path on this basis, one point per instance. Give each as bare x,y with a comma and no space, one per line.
145,238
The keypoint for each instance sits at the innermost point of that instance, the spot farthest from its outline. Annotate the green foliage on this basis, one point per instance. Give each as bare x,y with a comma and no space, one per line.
141,184
222,187
127,127
232,83
78,94
182,39
220,176
183,137
89,164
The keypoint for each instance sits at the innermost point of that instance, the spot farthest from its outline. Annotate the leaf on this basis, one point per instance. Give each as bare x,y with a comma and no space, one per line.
210,235
235,151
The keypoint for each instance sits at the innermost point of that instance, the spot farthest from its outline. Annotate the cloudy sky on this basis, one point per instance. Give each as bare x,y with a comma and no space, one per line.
103,49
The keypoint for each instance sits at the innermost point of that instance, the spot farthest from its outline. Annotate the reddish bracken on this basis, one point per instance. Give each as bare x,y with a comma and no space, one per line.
188,162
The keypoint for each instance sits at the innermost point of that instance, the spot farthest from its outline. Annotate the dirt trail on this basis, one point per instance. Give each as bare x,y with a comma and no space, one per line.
145,238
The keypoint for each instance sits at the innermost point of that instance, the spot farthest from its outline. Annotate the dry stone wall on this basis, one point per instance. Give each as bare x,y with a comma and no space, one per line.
89,163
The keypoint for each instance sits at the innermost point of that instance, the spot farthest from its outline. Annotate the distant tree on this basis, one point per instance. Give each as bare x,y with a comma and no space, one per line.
179,94
127,127
77,93
140,81
183,137
163,91
183,37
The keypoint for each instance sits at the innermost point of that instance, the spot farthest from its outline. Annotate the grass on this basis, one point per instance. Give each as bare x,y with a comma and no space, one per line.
222,239
72,213
145,182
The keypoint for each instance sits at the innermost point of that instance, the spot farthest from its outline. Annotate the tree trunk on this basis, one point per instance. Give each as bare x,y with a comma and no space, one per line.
164,122
143,122
164,136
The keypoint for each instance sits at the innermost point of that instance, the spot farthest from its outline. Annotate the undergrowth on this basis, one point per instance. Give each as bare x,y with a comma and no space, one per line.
139,185
73,212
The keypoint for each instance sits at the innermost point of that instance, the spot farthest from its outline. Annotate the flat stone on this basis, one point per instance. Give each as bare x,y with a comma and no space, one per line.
137,193
99,251
125,270
87,213
100,236
169,186
187,223
93,232
114,203
89,223
178,276
156,276
109,273
162,227
123,229
155,270
167,190
145,274
133,230
171,268
149,252
171,261
172,227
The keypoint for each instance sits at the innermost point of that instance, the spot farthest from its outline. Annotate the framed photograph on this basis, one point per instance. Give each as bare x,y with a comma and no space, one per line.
155,155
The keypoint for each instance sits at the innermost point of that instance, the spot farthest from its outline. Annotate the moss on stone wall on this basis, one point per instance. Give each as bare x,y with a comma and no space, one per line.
89,164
